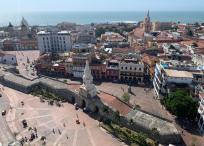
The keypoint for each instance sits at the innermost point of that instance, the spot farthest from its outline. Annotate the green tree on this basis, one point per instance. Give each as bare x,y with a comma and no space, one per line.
155,134
116,116
181,104
126,97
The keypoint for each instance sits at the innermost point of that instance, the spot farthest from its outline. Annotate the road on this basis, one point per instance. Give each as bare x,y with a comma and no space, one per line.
6,135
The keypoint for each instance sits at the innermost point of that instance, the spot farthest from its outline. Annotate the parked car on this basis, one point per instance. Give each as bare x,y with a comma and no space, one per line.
3,113
76,106
77,121
85,110
25,124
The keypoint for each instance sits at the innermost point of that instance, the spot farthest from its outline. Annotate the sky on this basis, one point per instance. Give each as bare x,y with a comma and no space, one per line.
100,5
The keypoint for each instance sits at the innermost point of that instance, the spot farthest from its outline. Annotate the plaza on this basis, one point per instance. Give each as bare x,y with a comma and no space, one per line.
57,124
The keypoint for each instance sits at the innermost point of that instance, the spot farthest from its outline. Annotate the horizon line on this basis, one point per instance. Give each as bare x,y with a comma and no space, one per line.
108,11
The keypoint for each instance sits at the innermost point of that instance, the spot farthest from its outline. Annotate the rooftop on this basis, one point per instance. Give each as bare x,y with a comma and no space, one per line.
178,74
150,122
114,103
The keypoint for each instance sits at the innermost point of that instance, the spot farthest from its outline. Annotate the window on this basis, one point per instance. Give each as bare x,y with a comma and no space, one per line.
121,67
130,68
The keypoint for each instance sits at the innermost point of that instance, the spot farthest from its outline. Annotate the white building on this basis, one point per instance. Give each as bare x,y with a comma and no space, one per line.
201,113
8,58
4,34
164,77
198,59
54,42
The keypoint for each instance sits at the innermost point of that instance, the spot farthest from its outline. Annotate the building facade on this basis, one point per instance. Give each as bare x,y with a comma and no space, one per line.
201,113
131,70
82,53
112,70
54,41
8,58
165,77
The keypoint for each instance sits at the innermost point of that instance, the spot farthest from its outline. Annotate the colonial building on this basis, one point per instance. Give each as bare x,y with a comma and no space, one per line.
82,53
54,41
86,37
131,70
4,34
6,58
112,70
112,40
147,26
98,70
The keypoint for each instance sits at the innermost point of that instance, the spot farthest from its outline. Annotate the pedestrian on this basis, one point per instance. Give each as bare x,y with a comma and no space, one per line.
35,129
53,130
59,132
64,125
84,124
26,139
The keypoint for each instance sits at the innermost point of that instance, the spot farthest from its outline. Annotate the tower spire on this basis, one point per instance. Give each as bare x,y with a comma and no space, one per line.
88,89
148,13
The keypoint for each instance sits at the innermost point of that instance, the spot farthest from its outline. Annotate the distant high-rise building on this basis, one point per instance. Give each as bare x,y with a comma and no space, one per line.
147,23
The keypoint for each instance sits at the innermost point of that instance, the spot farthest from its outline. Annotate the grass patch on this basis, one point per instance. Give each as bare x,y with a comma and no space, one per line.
128,136
44,94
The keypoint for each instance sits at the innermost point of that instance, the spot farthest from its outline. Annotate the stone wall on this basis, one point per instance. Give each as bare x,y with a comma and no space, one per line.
92,104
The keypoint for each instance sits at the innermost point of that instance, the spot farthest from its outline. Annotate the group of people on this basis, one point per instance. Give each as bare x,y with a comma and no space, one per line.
33,135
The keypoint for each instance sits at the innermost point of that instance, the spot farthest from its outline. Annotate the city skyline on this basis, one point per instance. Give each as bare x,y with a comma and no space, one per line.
105,5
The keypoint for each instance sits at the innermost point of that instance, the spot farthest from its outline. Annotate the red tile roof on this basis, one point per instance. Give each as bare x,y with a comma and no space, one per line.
138,32
115,103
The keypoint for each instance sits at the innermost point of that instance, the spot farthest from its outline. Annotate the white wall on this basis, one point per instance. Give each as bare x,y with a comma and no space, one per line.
179,80
8,59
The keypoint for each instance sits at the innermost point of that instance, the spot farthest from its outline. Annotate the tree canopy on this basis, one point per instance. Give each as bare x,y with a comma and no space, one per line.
181,104
126,97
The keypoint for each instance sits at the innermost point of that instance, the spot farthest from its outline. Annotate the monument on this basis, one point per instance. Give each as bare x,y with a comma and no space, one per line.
88,89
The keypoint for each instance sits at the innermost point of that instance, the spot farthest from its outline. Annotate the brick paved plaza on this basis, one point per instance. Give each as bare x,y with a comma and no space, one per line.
62,119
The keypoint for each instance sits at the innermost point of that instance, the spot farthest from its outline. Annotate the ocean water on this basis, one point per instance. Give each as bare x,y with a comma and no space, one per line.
52,18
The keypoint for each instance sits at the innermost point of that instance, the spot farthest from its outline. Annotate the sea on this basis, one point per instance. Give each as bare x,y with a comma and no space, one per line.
53,18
